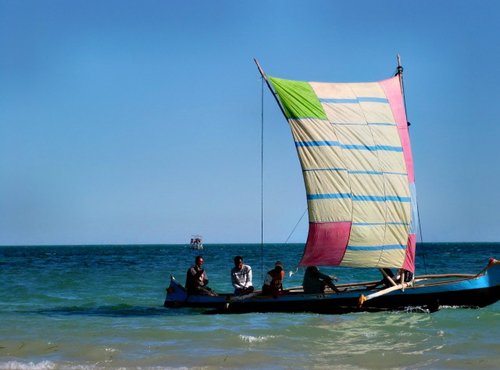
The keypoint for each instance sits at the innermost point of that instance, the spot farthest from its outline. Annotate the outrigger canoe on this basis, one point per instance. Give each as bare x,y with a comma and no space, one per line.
353,145
428,293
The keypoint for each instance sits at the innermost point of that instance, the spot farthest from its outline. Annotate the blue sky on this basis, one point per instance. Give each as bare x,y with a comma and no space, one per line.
139,121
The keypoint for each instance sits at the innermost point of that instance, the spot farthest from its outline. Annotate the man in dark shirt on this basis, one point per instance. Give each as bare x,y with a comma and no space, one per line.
197,279
315,281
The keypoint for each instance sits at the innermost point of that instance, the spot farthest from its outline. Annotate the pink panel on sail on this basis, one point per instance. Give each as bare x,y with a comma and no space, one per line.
392,91
326,243
409,263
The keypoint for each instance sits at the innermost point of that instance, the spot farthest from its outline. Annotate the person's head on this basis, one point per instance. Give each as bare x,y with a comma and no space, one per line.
278,266
238,262
199,261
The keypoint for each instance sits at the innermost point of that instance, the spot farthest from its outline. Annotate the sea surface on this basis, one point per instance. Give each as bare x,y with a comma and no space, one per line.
100,307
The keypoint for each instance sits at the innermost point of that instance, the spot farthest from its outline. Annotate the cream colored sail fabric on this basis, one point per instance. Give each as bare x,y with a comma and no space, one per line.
352,142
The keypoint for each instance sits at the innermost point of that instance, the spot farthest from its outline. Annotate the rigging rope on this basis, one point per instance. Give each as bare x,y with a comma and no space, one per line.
421,238
291,273
262,179
297,224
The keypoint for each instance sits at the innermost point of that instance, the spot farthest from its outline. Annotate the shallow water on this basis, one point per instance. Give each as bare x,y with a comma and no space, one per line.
101,307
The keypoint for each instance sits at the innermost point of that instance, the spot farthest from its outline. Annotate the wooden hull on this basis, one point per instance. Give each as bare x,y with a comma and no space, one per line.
429,293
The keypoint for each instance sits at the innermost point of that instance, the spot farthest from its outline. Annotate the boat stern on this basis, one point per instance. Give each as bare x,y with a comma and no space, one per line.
493,272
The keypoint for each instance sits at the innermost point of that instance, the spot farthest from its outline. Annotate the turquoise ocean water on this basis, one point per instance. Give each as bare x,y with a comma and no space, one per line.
96,307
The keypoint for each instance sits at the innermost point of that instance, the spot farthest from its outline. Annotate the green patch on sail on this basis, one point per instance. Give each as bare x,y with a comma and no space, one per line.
298,99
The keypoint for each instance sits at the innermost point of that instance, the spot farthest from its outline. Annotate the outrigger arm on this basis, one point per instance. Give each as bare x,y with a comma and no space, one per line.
362,299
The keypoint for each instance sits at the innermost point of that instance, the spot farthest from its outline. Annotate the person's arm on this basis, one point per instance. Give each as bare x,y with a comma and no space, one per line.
236,283
249,278
204,277
233,279
325,277
282,278
268,280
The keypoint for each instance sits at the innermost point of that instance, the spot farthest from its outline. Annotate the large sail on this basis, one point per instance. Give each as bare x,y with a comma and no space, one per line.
354,148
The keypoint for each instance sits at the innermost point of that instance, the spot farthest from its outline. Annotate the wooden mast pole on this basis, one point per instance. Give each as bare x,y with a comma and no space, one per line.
399,73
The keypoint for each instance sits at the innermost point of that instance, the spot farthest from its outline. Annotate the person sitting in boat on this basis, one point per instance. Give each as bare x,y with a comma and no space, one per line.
408,276
316,282
197,279
273,284
385,281
241,277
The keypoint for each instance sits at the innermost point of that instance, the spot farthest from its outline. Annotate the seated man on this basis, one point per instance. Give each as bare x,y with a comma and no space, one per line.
197,279
273,285
385,281
315,281
408,276
241,277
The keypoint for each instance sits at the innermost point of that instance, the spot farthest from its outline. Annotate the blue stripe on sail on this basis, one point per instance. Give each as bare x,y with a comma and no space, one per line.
381,198
360,99
381,124
379,223
371,148
397,173
359,172
360,198
370,99
366,172
377,247
328,196
340,101
390,148
317,143
358,147
325,169
363,123
355,172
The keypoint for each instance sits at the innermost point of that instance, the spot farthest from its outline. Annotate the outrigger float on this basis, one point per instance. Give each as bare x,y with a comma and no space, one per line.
353,144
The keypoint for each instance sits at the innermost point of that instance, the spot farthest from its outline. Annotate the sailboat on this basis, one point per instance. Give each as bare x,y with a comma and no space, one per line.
196,242
353,145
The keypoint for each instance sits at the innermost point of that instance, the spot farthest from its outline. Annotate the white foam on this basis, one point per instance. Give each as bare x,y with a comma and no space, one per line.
27,365
252,339
42,365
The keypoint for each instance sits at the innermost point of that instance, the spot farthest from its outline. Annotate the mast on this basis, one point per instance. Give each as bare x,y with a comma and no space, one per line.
399,73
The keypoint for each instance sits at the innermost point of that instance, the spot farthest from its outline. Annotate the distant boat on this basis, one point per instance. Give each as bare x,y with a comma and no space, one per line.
353,144
196,242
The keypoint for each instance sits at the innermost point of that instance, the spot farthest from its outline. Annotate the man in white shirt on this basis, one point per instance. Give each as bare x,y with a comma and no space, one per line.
241,277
